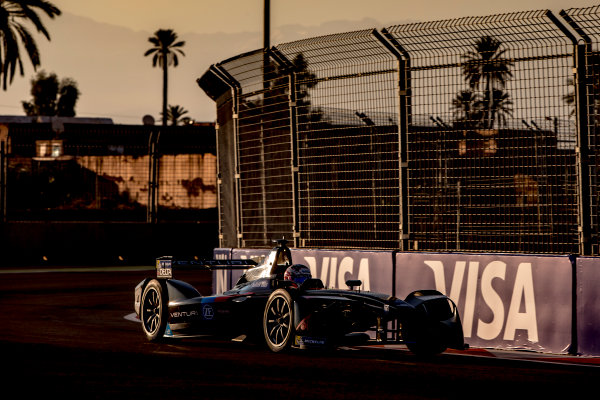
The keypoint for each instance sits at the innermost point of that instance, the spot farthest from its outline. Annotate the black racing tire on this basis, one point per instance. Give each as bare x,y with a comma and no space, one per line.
154,310
425,340
278,321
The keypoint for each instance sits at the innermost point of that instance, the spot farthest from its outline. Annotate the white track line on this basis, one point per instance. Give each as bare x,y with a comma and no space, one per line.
132,317
75,269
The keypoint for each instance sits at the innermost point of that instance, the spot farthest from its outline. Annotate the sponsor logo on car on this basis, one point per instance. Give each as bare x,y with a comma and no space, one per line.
182,314
306,341
163,269
208,312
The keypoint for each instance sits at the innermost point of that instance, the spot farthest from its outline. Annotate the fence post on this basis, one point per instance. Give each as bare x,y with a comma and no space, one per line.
282,60
235,92
404,120
583,111
153,175
3,183
583,151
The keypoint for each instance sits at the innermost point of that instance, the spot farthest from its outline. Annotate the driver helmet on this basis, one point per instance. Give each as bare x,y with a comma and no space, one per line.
297,273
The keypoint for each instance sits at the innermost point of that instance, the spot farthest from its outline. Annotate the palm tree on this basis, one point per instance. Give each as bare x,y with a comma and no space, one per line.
500,106
13,17
175,114
164,53
467,109
486,68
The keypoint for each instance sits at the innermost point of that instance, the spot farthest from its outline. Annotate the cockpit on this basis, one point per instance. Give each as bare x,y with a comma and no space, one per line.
274,266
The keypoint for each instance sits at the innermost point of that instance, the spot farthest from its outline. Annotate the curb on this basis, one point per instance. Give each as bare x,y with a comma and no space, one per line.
518,355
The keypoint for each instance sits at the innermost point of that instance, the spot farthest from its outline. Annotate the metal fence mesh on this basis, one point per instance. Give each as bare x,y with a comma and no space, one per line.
347,141
102,173
586,92
473,134
264,148
490,140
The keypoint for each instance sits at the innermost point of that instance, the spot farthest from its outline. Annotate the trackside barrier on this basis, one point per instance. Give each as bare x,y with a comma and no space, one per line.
505,301
221,278
334,268
588,305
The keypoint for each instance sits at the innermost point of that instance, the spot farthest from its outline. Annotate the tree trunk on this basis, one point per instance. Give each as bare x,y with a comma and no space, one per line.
165,87
490,105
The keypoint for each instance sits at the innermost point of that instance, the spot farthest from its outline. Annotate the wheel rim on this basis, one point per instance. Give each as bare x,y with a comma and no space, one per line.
278,321
151,311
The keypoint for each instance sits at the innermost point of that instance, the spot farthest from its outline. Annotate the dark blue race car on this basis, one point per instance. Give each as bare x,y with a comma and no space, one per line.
278,302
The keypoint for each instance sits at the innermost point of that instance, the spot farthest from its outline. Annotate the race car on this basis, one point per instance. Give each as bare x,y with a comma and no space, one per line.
279,303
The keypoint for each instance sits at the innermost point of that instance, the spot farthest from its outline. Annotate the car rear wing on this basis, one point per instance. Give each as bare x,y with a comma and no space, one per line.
166,265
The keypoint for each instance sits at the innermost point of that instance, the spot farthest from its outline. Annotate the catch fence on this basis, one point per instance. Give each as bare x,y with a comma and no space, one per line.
472,134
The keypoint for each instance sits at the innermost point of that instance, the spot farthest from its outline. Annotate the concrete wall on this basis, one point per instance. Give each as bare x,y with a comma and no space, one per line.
109,243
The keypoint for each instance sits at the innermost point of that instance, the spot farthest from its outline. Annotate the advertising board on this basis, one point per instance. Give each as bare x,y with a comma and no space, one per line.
334,268
225,279
505,301
588,306
220,277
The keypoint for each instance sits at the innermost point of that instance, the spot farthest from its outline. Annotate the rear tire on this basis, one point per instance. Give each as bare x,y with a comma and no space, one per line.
424,341
278,321
154,310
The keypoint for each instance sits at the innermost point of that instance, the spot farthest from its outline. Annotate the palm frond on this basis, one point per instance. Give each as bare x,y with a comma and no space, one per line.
13,15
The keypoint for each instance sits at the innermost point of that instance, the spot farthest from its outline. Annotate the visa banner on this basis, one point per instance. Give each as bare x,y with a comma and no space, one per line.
505,301
334,268
373,268
588,306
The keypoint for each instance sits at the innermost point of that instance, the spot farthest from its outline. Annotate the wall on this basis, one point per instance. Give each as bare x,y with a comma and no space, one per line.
538,303
97,243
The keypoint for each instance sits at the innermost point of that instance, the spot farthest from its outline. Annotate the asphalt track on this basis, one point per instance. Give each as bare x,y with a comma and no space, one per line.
66,334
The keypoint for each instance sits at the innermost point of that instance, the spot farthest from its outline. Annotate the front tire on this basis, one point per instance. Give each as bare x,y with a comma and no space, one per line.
278,321
154,310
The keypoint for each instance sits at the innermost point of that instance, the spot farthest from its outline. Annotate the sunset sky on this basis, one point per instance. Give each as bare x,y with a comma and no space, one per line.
209,16
100,44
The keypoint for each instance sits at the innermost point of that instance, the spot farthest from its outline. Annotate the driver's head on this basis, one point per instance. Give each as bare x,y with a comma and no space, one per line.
297,273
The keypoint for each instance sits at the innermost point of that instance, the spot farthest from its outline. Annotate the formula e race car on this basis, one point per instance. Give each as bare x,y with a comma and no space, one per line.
279,303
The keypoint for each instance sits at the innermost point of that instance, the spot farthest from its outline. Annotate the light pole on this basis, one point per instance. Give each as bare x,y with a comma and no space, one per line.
267,25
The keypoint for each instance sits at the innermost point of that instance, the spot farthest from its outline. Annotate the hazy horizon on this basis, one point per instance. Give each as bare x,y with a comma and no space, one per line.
101,45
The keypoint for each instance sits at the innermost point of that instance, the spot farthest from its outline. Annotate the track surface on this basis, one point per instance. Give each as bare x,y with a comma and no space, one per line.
64,334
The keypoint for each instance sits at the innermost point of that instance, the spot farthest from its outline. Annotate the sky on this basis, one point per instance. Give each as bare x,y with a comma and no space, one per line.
209,16
100,44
